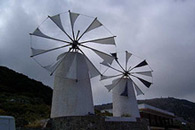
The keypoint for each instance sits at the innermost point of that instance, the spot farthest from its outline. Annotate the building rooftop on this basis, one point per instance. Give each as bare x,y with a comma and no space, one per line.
151,109
142,108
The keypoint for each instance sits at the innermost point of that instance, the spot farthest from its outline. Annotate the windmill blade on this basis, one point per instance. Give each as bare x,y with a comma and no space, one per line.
57,20
95,24
114,55
36,52
146,73
107,40
61,55
111,86
107,58
52,67
143,63
103,77
128,55
146,83
73,18
92,69
60,61
106,64
120,65
77,34
38,33
138,90
125,92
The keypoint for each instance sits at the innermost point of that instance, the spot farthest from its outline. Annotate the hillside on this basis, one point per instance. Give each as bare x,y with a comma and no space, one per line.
180,107
29,100
24,98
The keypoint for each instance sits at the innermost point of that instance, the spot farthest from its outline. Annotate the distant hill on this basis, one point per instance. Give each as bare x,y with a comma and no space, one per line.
24,98
180,107
29,100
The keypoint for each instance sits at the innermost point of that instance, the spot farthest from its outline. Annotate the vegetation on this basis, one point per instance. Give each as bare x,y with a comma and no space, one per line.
25,99
105,113
126,115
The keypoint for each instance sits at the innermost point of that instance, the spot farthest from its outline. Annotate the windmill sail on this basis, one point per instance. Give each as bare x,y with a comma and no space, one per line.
37,51
92,69
111,86
107,58
137,89
128,55
93,25
103,77
51,68
146,73
146,83
73,17
107,40
57,20
38,32
114,55
143,63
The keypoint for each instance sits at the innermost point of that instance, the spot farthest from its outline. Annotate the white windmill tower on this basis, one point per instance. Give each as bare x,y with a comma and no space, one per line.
72,94
126,79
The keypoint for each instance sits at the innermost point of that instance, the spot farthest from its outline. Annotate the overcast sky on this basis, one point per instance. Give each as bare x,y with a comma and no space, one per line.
161,31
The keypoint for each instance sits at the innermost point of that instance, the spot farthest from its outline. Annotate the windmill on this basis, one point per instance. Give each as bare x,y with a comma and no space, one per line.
125,78
60,45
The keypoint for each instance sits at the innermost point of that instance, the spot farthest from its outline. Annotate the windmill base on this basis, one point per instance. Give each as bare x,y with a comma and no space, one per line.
94,123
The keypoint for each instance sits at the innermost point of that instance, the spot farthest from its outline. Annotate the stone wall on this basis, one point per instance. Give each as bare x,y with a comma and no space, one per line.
93,123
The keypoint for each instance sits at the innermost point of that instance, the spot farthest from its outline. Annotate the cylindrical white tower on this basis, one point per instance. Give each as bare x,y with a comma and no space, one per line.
72,95
124,105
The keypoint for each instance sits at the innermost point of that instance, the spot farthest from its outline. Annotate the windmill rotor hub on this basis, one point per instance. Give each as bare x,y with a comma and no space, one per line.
75,44
126,73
